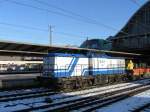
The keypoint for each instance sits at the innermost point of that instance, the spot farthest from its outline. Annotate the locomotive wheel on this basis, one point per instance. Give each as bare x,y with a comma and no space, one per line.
104,79
85,84
97,80
110,79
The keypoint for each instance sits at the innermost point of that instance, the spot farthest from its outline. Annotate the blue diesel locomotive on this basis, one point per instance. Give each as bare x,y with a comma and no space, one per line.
67,70
70,65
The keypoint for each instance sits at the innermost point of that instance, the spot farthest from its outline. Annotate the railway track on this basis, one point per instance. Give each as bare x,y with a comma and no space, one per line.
39,92
112,99
144,108
36,99
22,94
90,102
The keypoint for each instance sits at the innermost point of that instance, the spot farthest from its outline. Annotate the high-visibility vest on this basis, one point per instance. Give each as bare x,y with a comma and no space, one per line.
130,65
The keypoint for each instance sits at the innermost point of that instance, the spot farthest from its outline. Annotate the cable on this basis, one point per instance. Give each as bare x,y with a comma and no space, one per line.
22,26
135,2
72,13
137,22
65,15
78,15
42,9
68,34
39,29
61,9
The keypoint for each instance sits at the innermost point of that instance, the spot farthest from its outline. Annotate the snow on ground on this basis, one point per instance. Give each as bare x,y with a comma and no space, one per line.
135,83
91,93
22,91
34,102
2,93
128,104
15,108
69,96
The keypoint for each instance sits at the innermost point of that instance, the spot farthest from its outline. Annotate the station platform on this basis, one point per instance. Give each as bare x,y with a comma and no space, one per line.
18,80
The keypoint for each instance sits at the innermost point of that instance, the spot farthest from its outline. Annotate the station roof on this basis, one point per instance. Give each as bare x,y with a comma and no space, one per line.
18,48
138,23
10,47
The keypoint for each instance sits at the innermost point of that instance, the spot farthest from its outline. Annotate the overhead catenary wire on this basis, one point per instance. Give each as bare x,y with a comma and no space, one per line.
66,15
68,34
23,26
36,28
135,2
137,22
40,29
92,21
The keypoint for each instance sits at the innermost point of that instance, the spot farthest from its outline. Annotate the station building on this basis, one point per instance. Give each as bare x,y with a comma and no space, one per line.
134,37
99,44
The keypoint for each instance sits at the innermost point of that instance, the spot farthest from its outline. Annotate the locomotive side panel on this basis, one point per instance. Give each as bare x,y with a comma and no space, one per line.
108,66
56,66
68,65
80,66
63,65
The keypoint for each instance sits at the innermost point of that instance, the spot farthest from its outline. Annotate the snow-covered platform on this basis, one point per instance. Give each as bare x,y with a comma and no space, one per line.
130,104
18,80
